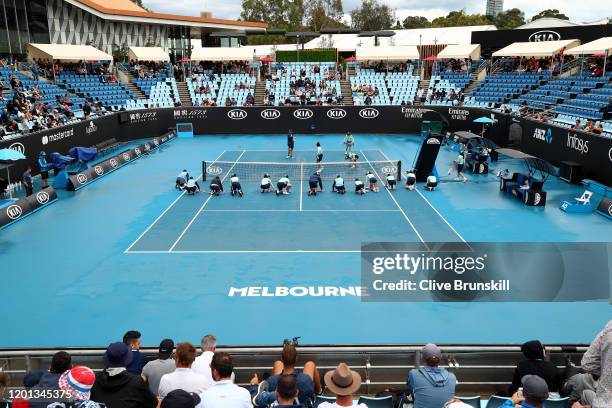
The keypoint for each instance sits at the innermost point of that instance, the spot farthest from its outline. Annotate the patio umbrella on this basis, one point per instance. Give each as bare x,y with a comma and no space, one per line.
265,59
431,58
10,155
350,59
484,120
184,59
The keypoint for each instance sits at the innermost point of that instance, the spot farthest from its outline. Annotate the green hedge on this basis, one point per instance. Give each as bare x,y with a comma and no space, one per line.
307,56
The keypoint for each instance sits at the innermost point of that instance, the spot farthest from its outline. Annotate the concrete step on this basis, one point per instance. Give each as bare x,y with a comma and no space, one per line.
184,95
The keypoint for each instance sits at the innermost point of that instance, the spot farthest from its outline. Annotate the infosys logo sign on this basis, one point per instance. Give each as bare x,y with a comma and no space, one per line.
369,113
544,135
270,114
544,35
577,144
237,114
336,113
303,113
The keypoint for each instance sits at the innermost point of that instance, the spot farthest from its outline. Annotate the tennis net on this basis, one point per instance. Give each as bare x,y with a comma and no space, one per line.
254,171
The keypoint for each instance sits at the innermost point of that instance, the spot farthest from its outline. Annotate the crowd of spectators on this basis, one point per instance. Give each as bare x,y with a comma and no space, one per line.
147,69
212,68
454,65
382,66
316,86
179,379
533,64
440,95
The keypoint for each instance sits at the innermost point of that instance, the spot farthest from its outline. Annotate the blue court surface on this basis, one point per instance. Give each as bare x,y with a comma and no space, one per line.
130,251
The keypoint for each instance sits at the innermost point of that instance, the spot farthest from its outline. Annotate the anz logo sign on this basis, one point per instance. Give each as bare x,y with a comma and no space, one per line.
369,113
336,113
270,114
303,113
544,35
237,114
544,135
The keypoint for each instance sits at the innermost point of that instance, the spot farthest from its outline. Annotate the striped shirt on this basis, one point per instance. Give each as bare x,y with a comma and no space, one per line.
598,360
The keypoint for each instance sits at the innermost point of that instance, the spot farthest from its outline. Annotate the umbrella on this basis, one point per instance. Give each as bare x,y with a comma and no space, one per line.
484,119
431,58
265,59
10,155
184,59
350,59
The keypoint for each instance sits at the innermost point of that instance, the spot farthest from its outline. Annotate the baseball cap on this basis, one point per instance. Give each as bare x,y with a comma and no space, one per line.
180,399
534,387
430,351
165,348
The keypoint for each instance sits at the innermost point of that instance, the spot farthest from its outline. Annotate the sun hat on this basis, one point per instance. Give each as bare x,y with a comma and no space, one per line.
78,382
342,380
117,355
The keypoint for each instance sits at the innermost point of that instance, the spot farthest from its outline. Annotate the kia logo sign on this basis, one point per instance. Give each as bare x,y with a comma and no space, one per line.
536,199
99,170
113,162
544,35
126,156
156,142
42,197
18,147
82,178
270,114
610,210
14,211
389,169
610,154
147,147
433,140
214,170
237,114
303,113
137,151
368,113
336,113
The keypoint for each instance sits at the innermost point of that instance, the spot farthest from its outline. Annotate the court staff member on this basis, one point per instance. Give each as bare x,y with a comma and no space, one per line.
349,142
181,179
319,156
290,144
283,186
44,169
391,182
266,184
338,185
359,187
432,182
192,186
26,180
410,180
372,180
216,187
236,188
315,181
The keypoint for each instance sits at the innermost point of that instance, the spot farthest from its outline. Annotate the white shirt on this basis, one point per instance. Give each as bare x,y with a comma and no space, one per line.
432,179
358,183
225,394
334,405
233,180
339,182
284,180
265,181
201,365
319,150
183,379
191,183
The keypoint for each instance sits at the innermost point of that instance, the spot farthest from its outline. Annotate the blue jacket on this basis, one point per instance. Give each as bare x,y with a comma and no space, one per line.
431,387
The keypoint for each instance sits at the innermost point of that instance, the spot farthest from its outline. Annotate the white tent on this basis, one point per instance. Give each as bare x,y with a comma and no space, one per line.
601,46
147,54
67,52
460,51
400,53
222,54
259,51
535,49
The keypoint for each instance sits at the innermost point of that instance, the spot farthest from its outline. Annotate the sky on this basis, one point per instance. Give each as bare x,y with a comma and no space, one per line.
580,11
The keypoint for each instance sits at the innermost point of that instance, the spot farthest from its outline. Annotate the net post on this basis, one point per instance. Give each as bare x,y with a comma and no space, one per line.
399,170
203,171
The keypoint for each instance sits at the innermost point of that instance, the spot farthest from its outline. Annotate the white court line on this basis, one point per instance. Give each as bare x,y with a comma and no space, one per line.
203,205
433,208
322,210
301,185
164,212
395,201
288,251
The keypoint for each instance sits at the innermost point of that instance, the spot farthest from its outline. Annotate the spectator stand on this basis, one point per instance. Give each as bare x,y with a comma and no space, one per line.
452,74
304,83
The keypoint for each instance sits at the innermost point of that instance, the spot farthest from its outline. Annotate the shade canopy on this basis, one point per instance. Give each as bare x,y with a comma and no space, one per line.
222,54
400,53
66,52
602,46
460,51
536,49
148,54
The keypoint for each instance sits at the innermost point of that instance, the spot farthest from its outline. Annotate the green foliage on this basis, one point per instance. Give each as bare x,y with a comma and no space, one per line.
307,56
554,13
324,14
460,18
509,19
415,22
372,16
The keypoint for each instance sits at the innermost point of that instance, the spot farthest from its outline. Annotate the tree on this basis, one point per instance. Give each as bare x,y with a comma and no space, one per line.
416,22
372,16
324,14
554,13
460,18
138,3
281,14
509,19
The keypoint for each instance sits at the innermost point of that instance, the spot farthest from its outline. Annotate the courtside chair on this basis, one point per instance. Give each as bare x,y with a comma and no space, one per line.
319,399
496,402
471,401
556,403
372,402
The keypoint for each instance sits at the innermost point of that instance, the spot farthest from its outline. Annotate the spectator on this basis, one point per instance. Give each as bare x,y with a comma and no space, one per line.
139,360
577,126
224,393
201,364
307,380
60,363
4,382
26,180
286,392
429,385
343,382
534,363
580,388
154,370
118,388
180,399
77,382
183,377
598,361
535,391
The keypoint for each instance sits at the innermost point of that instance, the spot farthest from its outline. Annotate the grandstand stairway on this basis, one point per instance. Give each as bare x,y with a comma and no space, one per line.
135,90
260,93
424,85
473,83
345,87
184,94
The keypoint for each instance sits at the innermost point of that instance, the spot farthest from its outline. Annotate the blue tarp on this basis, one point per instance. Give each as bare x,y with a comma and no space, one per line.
59,161
83,154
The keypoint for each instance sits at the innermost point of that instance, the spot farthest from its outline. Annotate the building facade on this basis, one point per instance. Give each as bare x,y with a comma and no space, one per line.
494,7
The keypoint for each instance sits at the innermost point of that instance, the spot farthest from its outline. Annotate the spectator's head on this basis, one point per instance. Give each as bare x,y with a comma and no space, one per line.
185,355
209,342
431,355
533,350
165,349
4,381
117,355
132,339
286,390
221,366
289,355
61,362
77,382
180,399
535,390
343,381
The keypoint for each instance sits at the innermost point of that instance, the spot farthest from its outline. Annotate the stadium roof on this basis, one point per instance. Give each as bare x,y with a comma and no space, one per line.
460,51
601,46
148,54
66,52
400,53
125,10
548,22
535,49
222,54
